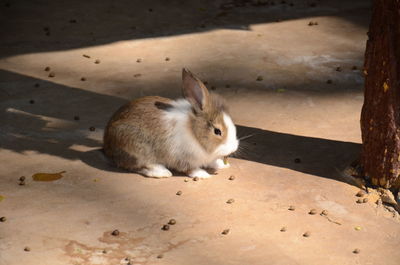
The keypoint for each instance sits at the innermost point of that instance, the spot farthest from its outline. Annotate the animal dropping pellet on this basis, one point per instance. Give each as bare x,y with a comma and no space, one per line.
179,193
283,229
361,193
312,211
160,256
225,232
260,78
47,68
232,177
52,74
230,201
97,61
359,201
27,249
291,208
83,78
86,56
3,219
195,178
324,212
22,178
365,200
172,222
115,232
356,251
165,227
307,234
138,60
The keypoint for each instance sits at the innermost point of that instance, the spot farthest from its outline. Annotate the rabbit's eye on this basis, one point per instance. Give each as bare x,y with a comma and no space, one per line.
217,131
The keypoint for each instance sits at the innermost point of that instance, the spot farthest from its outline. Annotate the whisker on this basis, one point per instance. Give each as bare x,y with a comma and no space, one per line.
247,136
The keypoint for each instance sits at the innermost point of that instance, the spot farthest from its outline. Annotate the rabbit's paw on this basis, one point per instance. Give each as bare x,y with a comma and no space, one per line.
156,171
200,173
219,164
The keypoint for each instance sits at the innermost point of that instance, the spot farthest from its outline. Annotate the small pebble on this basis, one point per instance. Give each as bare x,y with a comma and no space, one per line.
315,23
97,61
292,208
3,219
365,200
311,23
225,232
165,227
283,229
361,193
195,178
47,68
339,69
86,56
329,81
179,193
22,178
359,201
27,249
160,256
312,211
185,180
139,60
172,222
22,183
83,78
232,177
324,212
52,74
297,160
230,201
167,59
115,233
76,118
32,101
104,251
92,129
137,75
356,251
307,234
260,78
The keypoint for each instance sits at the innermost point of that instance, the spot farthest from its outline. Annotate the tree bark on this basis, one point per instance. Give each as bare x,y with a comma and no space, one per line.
380,116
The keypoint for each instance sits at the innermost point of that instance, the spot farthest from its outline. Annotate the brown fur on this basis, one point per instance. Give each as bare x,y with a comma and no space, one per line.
137,136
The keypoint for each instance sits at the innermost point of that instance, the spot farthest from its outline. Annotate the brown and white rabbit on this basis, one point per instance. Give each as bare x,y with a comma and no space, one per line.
153,134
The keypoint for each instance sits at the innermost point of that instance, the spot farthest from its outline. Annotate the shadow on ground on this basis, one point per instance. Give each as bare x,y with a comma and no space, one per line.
62,25
47,126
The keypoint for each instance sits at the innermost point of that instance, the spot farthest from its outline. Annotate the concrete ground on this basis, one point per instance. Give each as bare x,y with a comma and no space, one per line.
304,113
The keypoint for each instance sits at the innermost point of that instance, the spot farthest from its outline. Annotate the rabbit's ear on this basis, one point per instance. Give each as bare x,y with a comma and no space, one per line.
194,90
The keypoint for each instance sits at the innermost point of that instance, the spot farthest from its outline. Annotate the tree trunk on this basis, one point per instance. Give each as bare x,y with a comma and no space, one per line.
380,116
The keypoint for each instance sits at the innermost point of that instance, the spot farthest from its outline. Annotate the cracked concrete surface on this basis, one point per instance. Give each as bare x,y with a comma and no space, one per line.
294,112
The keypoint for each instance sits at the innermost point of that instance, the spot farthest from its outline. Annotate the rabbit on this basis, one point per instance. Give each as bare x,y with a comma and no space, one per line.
152,134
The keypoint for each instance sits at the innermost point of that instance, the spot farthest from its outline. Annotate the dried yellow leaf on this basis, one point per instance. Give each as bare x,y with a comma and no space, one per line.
357,228
47,176
385,87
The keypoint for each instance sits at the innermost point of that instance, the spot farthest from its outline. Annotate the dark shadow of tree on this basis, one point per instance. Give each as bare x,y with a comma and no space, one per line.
62,25
25,129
